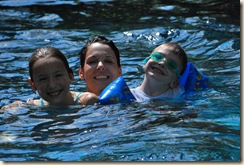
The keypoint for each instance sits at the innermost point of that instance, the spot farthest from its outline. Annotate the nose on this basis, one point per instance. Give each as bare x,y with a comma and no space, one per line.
51,83
162,64
100,65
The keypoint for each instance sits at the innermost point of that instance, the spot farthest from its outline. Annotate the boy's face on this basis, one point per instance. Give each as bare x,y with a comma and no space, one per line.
100,68
51,80
167,70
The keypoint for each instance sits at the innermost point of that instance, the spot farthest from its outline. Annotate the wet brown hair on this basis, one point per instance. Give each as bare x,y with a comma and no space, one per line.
47,52
101,40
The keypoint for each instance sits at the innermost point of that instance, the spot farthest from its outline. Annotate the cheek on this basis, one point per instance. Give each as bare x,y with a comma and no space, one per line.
173,76
180,66
116,72
88,68
65,80
87,73
41,86
146,66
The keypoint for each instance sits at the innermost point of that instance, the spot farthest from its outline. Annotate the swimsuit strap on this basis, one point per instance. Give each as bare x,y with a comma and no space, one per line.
41,102
77,97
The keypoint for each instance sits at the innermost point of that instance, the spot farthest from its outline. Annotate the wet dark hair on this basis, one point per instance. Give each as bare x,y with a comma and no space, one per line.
177,50
101,40
47,52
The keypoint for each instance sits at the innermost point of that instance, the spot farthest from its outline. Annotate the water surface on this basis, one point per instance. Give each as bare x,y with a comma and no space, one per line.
204,127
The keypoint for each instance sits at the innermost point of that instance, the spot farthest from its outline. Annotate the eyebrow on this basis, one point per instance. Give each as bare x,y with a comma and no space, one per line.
57,71
110,56
107,56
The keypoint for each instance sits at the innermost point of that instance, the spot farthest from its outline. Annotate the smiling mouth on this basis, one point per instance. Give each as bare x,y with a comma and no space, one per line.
158,70
55,93
101,77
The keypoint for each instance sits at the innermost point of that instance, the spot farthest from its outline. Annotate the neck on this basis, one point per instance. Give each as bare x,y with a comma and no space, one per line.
68,100
152,88
97,93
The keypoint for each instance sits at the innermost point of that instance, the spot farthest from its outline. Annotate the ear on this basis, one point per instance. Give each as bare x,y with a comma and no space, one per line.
174,84
32,84
120,71
81,73
71,77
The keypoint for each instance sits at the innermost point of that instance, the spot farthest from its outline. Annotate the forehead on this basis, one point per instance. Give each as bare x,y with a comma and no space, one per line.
98,49
49,64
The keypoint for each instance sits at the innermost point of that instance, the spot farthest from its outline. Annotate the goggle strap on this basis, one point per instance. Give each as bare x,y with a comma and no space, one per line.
146,59
179,76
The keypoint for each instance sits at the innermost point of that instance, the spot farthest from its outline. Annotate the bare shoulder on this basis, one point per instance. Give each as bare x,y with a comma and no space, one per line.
88,98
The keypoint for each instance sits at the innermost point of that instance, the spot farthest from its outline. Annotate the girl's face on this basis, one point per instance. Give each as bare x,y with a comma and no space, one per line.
161,71
100,68
51,80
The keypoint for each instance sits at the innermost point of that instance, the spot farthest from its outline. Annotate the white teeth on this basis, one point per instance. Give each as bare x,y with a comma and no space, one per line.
158,70
54,93
101,77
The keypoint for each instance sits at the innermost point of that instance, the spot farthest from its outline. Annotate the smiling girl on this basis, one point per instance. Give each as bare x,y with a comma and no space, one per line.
51,76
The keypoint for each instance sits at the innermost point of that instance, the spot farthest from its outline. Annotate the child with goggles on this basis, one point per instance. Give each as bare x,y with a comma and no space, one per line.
163,69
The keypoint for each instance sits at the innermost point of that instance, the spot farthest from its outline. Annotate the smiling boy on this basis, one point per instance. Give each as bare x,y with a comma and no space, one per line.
163,69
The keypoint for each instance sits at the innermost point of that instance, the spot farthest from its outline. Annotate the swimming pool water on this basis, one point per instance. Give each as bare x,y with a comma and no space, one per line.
203,127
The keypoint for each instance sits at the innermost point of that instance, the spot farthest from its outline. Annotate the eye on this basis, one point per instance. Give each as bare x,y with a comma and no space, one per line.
59,75
90,62
42,79
109,61
172,65
156,56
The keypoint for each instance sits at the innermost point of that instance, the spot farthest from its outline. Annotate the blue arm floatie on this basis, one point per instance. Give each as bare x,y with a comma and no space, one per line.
116,92
192,79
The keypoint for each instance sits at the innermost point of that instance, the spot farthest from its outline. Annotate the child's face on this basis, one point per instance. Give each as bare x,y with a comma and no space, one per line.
51,79
100,68
167,70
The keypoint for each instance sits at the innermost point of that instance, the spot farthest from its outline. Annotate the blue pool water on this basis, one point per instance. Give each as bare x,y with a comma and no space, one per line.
204,127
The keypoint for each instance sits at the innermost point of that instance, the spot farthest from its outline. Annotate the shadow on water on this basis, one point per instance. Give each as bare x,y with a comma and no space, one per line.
108,16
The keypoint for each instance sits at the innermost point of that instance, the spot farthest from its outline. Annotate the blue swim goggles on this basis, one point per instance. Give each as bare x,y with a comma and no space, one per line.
170,64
